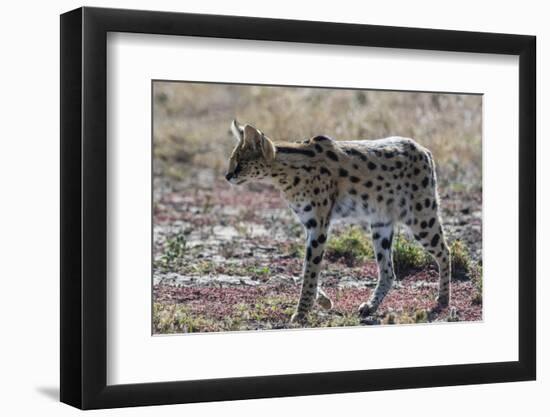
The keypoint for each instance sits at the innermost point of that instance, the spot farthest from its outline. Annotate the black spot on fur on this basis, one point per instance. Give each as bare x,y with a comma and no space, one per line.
342,172
355,152
371,165
323,170
307,208
379,256
385,243
353,191
318,148
296,181
308,253
435,240
423,225
365,196
354,179
431,222
322,238
427,203
418,207
368,184
311,223
306,152
332,155
425,182
317,260
376,235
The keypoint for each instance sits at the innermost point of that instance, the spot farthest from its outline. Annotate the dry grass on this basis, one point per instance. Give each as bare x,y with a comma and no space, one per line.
191,123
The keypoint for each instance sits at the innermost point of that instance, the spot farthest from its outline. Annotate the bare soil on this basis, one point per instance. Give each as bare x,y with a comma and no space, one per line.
239,263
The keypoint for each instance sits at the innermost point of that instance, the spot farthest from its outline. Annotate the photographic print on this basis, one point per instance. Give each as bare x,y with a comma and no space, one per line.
278,207
201,201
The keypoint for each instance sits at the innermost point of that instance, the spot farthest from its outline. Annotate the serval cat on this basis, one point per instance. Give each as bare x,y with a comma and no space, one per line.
384,182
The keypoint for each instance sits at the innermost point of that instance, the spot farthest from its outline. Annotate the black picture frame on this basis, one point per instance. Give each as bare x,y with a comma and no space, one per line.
84,207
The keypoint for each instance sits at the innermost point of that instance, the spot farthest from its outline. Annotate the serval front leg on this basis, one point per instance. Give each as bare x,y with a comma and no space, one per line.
315,246
382,237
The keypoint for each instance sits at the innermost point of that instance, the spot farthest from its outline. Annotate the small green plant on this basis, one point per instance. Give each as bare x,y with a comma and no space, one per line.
353,246
270,310
405,317
173,251
295,249
477,278
175,318
421,316
390,318
258,271
202,267
332,320
461,263
408,255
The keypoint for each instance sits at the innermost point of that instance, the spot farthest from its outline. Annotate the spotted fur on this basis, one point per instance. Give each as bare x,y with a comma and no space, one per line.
386,182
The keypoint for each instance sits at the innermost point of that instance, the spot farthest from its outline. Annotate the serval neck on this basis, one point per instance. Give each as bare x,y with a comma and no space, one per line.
293,164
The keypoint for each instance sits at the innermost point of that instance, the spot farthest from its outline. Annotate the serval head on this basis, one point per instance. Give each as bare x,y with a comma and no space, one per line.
252,157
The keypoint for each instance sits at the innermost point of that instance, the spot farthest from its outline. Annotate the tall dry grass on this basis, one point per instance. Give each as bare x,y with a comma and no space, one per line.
191,123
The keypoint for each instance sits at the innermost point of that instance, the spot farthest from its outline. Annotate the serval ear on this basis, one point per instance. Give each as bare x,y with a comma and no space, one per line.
256,140
268,148
238,131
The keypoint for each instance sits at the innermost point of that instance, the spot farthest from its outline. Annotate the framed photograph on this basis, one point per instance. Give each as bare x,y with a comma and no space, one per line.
256,208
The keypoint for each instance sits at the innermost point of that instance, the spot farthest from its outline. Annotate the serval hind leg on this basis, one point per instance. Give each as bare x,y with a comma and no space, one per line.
382,237
429,233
